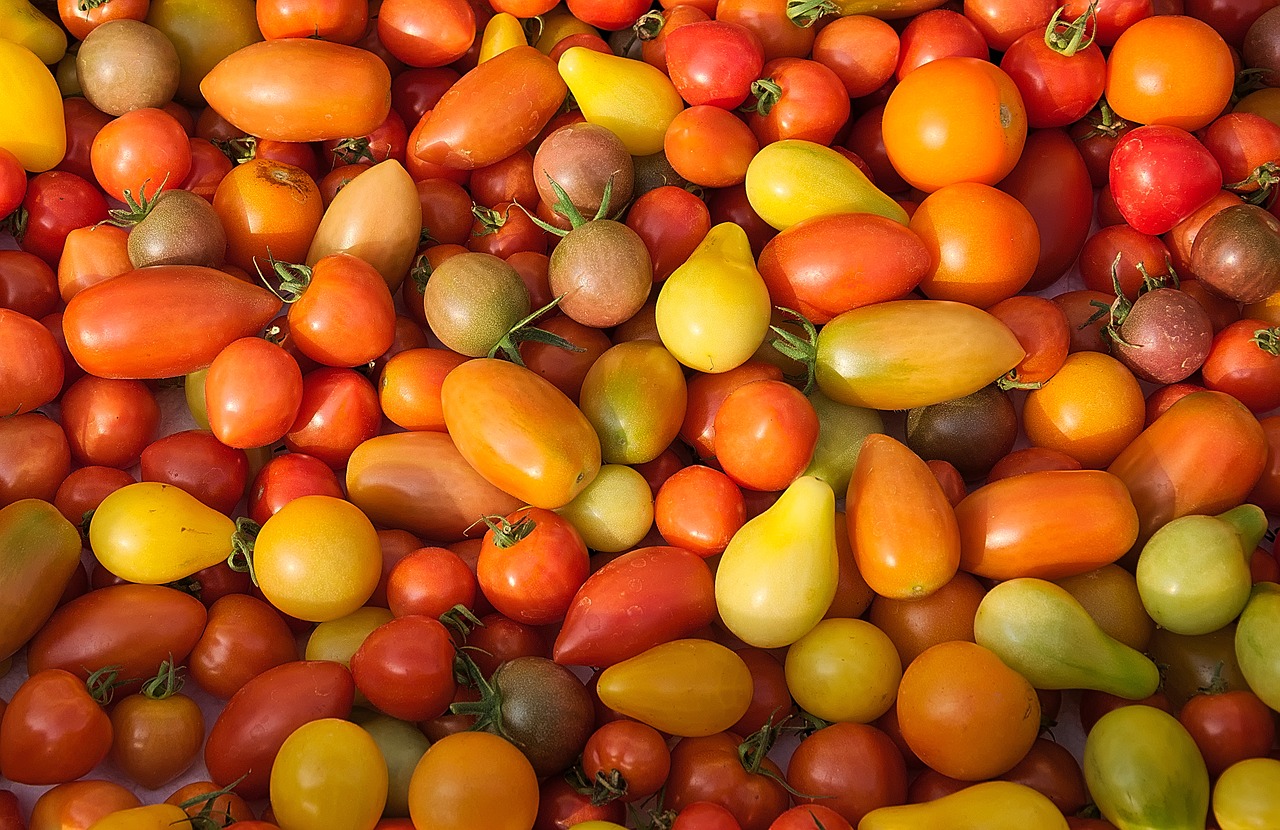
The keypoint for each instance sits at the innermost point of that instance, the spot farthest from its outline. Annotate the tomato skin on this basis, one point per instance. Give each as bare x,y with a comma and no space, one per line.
140,152
1057,89
58,202
1242,368
827,265
473,779
1202,456
200,464
672,586
1007,528
328,773
269,89
38,563
286,477
714,62
154,740
252,393
343,289
30,126
251,728
405,668
813,104
390,477
135,626
243,638
699,509
851,768
483,118
1228,727
531,565
338,412
708,769
32,370
52,731
198,311
341,21
1160,175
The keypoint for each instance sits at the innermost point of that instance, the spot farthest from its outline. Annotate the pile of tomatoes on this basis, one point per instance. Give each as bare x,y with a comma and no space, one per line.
738,415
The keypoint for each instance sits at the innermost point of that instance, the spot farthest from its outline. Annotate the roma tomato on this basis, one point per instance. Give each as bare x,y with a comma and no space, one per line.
672,587
257,720
520,432
317,558
52,731
272,90
955,120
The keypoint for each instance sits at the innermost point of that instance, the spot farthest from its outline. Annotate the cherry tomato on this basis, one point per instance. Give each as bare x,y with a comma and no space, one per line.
52,731
405,668
473,779
243,638
200,464
531,565
1160,175
157,733
328,772
58,202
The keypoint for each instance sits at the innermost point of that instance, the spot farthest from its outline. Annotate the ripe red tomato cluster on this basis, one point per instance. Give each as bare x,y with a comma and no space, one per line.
738,415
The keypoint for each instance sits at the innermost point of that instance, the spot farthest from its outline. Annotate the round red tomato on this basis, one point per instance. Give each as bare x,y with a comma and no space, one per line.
200,464
140,153
58,202
531,565
1160,175
1244,362
405,668
765,433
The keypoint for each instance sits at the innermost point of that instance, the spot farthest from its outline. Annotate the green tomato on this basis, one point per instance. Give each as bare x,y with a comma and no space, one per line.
635,396
1257,647
329,774
402,745
614,512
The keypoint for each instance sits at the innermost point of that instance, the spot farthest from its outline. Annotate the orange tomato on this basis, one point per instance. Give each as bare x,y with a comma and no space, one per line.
965,713
520,432
903,529
1090,409
284,90
1047,524
955,119
268,209
78,804
409,389
1202,456
914,625
91,255
1170,69
983,243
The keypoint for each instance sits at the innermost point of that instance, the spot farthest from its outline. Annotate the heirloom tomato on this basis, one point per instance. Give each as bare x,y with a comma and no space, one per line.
473,779
328,773
993,805
31,124
39,551
53,730
154,533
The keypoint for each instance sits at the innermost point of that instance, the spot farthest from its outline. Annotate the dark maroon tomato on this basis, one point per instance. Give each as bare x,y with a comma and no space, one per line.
1163,337
730,204
284,478
57,203
714,62
1096,135
194,461
501,639
339,411
405,668
1052,182
1160,175
416,90
1229,18
83,121
1128,253
561,806
1059,83
257,719
217,581
27,284
134,626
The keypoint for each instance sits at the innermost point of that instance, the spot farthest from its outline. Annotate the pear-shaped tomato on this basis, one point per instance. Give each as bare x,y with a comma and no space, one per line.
31,122
792,180
713,311
520,432
993,805
778,575
153,533
911,353
685,687
635,101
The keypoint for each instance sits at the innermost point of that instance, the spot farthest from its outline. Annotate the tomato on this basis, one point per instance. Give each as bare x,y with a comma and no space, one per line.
954,120
153,533
1068,414
1003,23
409,387
770,22
52,731
339,411
628,757
200,464
935,34
390,476
58,202
266,204
134,626
714,769
30,126
699,509
220,807
712,62
965,713
1160,175
792,180
765,434
317,558
38,563
983,244
286,477
27,283
561,806
140,153
405,668
1244,796
289,107
1242,363
850,768
807,101
79,804
531,564
1242,142
257,370
328,771
992,805
694,130
150,817
838,654
618,397
672,222
257,720
243,638
341,21
430,581
1170,471
1228,727
427,35
473,779
338,290
157,733
1169,70
32,367
482,118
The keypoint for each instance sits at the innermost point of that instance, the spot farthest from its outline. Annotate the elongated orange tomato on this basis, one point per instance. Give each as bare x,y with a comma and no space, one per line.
903,530
486,116
1047,524
520,432
1202,456
162,321
300,89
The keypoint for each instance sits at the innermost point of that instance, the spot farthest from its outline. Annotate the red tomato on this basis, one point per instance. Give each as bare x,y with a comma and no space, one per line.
561,806
430,581
713,62
1112,16
109,422
850,768
1002,22
13,182
415,91
501,639
343,314
252,392
52,730
58,202
940,33
862,50
765,434
405,668
256,720
1228,727
672,222
808,816
1160,175
705,815
31,369
711,769
610,15
1060,81
140,153
629,757
1244,362
28,284
197,462
706,393
285,478
672,588
339,411
699,509
532,563
84,489
799,98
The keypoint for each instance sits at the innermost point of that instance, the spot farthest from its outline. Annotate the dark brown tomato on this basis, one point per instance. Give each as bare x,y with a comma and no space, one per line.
1164,337
1237,253
973,432
583,159
545,711
603,272
1261,47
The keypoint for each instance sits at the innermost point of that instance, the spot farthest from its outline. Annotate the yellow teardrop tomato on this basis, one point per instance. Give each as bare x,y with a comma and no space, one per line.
778,575
994,805
22,23
713,311
844,670
634,100
1247,795
684,687
792,180
31,122
502,32
329,773
154,533
317,558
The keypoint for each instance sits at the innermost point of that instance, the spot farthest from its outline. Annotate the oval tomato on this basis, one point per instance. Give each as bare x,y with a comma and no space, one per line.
243,638
52,731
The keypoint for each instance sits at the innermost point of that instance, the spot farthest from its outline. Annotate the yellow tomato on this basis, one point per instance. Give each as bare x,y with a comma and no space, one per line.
204,32
22,23
31,122
844,670
1247,795
152,817
154,533
329,774
338,639
318,558
994,805
635,101
792,180
614,512
502,32
684,687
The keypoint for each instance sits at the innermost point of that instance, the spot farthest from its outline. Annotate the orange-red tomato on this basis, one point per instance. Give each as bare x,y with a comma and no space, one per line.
268,209
954,120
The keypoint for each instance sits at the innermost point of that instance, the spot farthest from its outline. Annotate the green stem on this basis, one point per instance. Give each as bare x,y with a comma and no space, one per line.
1268,340
765,94
166,683
241,558
1068,38
293,279
803,350
102,684
508,345
804,13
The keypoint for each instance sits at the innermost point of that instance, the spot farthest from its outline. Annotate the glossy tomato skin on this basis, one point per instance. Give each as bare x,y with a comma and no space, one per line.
405,668
58,202
1160,175
713,62
253,370
257,719
1057,89
243,638
673,587
198,311
199,463
52,731
708,769
31,368
287,477
1240,365
531,565
135,626
339,411
851,768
